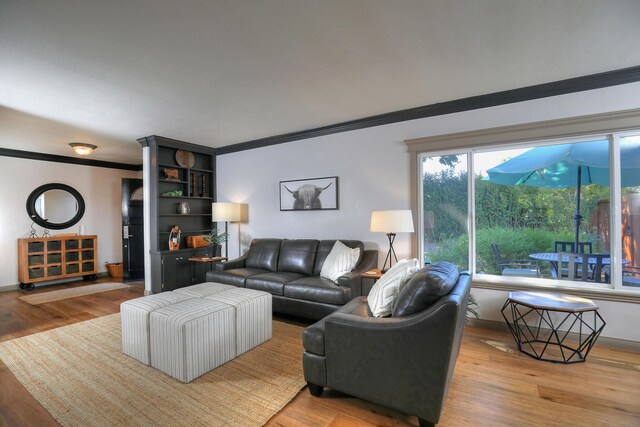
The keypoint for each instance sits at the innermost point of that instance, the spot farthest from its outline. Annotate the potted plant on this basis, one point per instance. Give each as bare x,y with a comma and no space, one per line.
216,239
472,309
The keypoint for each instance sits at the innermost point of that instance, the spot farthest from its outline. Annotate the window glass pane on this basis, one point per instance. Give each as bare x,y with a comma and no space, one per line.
630,177
526,201
445,206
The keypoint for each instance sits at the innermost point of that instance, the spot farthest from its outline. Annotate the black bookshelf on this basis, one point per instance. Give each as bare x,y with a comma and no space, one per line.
171,184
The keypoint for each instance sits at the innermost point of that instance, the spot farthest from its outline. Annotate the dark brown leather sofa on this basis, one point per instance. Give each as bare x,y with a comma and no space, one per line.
290,271
405,361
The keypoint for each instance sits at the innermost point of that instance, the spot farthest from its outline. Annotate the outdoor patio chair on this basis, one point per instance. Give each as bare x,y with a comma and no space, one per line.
579,270
630,276
522,268
561,246
571,247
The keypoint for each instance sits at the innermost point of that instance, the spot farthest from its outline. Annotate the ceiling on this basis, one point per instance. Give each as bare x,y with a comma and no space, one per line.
226,71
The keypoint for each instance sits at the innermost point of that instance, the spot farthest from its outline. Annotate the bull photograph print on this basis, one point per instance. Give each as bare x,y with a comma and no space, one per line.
309,194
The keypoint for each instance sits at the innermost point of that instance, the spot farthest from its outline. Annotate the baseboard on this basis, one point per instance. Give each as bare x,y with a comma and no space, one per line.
618,343
7,288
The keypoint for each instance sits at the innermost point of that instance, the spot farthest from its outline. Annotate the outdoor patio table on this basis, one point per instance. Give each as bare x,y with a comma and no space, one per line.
552,258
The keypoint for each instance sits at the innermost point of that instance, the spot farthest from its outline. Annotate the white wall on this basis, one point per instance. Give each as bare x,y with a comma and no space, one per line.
373,167
100,188
253,177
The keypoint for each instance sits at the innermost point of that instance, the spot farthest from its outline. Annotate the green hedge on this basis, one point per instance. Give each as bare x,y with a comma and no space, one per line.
514,244
512,207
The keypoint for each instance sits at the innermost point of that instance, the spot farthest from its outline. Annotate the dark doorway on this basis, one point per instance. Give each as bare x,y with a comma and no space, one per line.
132,229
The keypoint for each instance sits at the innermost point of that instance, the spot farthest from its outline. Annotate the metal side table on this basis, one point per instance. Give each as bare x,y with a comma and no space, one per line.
553,327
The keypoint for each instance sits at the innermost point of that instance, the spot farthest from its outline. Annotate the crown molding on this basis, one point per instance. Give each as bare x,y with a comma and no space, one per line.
6,152
544,90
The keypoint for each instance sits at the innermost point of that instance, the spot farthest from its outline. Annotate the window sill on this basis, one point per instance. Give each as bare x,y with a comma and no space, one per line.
586,290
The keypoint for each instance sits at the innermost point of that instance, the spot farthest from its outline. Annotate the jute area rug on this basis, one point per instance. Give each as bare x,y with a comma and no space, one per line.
79,374
51,296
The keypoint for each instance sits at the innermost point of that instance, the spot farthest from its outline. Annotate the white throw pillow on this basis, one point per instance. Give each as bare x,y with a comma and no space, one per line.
340,261
384,293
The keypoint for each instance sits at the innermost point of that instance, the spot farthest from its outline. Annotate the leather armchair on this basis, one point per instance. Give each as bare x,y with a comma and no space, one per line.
403,362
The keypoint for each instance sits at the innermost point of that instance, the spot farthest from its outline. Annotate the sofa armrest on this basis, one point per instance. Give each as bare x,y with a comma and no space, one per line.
352,279
234,263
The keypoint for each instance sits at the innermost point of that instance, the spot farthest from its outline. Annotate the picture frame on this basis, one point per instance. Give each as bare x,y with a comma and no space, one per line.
311,194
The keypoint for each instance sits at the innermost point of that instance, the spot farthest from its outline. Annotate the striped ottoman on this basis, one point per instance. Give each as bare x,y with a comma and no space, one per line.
192,337
134,317
253,316
204,289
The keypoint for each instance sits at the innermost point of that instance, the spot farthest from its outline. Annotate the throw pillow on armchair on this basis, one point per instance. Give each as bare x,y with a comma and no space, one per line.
384,293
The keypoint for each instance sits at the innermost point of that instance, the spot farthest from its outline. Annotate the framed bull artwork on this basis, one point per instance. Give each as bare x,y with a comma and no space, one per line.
309,194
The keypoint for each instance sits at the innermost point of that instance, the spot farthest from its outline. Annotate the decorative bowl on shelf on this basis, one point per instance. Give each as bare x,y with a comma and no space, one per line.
185,159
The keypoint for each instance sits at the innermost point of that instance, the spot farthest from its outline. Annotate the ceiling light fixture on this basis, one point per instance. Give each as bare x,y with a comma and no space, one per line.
82,148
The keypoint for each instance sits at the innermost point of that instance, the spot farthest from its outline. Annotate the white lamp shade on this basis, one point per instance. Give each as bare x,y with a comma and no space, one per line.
225,212
400,221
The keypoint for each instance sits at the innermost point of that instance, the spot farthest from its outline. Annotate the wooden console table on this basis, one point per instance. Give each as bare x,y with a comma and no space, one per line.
57,257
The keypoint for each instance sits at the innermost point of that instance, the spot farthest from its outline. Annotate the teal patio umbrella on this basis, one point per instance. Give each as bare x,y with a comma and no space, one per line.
568,165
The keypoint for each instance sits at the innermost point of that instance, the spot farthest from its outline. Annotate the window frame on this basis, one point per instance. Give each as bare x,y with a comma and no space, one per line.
611,126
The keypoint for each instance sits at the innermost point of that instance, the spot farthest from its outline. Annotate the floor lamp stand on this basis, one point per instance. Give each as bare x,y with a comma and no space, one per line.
391,254
226,239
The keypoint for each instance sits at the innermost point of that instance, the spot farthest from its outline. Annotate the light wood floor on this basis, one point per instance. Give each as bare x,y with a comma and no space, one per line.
493,385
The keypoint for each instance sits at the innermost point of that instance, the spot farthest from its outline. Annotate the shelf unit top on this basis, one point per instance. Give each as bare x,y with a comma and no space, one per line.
186,169
54,238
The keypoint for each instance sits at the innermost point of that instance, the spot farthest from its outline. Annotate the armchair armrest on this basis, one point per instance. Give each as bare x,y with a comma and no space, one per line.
234,263
352,279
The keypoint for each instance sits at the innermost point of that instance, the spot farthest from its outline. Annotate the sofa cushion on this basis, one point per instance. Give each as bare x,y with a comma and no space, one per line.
426,287
298,256
317,289
235,276
383,295
340,261
324,248
271,282
313,336
263,253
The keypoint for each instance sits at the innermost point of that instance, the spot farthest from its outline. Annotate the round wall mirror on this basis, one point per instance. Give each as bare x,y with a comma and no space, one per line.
55,206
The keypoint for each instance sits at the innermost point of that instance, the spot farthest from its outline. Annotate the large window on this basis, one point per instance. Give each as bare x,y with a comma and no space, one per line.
538,210
445,210
630,208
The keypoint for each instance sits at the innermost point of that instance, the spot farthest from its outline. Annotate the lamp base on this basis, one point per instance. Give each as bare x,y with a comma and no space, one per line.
391,254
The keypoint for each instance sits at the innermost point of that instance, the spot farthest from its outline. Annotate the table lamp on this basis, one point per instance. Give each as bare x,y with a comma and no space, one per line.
391,222
227,212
